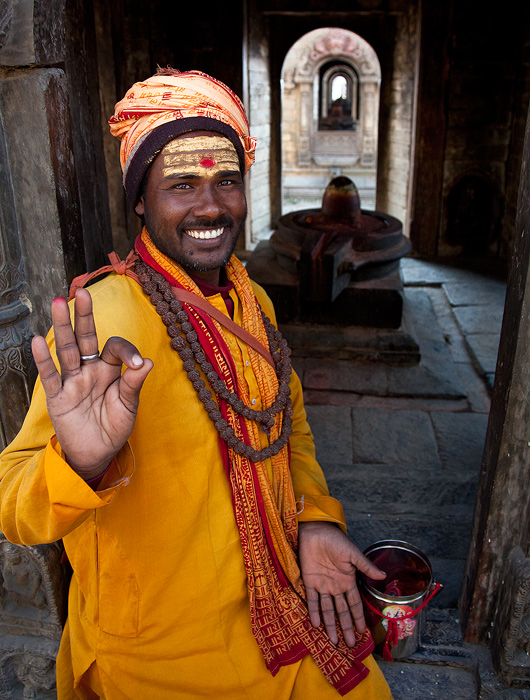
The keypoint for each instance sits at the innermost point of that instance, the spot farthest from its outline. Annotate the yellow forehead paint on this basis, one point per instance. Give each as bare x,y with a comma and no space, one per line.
204,156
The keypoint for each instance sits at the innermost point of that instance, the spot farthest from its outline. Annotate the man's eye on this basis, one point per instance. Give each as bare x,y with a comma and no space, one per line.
181,186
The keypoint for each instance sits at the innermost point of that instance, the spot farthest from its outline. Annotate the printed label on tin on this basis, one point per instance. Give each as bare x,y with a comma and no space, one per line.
405,626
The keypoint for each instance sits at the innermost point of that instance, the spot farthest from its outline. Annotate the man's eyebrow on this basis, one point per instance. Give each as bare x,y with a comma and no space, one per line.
228,173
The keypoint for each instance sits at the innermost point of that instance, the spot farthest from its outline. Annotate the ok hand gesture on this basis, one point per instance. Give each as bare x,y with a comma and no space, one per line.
91,404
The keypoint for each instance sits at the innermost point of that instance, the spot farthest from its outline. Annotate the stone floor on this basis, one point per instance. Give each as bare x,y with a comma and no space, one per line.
401,446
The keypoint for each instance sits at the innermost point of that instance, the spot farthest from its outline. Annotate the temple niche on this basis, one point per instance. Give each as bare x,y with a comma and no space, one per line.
330,108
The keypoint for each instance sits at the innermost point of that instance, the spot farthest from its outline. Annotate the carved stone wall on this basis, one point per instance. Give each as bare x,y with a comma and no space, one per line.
16,369
32,614
310,157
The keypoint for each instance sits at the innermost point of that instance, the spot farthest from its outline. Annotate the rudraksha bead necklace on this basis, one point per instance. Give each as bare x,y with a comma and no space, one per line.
185,341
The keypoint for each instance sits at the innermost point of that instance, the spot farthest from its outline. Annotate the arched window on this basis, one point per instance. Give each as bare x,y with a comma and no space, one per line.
339,97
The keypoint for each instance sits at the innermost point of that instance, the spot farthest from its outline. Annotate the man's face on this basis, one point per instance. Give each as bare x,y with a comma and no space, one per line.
194,202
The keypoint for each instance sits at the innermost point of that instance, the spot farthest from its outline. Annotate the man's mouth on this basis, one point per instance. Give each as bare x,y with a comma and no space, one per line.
205,234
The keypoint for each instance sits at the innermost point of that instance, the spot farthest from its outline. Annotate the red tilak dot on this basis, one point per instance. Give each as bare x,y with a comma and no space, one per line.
207,162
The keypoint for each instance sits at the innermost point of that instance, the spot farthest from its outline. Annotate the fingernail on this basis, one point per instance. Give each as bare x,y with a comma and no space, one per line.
58,299
137,361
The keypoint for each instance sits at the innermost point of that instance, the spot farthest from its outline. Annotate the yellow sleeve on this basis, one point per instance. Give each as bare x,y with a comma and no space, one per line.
309,483
41,498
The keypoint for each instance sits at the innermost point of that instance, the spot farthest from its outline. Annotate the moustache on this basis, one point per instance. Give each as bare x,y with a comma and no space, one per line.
192,224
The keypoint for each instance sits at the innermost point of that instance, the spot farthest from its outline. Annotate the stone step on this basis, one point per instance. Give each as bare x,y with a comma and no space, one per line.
442,441
448,539
370,486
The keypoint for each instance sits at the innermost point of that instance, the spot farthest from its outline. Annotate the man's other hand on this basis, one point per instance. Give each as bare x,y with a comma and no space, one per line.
329,561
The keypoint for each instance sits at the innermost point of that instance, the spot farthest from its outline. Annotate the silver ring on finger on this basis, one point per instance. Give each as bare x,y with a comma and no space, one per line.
86,358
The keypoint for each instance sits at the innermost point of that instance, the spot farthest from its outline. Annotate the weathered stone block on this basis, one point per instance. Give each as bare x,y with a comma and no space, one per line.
383,436
460,439
332,429
16,33
31,31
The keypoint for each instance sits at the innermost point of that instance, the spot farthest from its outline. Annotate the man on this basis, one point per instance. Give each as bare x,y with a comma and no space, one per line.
183,508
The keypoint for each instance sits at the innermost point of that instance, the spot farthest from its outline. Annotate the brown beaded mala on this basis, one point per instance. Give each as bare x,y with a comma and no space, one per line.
185,341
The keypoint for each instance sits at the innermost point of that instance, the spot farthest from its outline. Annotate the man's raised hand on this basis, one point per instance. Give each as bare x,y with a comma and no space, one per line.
92,405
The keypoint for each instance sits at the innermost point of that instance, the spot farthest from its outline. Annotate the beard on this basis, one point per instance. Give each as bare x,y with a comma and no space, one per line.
174,247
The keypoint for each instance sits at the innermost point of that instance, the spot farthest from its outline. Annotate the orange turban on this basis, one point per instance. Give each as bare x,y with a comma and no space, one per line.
159,109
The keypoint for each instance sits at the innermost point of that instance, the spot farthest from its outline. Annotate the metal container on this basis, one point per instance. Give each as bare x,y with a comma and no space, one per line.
394,607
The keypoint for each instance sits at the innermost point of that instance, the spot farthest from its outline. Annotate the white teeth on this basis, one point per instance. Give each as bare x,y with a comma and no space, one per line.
212,233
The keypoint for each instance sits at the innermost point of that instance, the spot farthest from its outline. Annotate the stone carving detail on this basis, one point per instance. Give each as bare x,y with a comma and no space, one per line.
511,631
32,594
323,44
32,613
15,351
11,278
27,668
17,371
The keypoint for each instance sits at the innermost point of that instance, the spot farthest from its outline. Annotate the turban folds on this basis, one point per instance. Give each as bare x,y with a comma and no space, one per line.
159,109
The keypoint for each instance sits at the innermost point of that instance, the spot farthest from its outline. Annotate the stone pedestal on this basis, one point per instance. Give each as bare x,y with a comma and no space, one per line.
365,320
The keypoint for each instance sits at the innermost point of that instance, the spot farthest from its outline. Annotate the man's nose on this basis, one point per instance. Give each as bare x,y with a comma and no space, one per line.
208,203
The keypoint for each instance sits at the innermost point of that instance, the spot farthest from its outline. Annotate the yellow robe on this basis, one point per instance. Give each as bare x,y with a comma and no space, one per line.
158,607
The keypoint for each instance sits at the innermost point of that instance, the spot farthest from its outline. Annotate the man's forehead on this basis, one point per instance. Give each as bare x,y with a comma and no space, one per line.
198,144
209,153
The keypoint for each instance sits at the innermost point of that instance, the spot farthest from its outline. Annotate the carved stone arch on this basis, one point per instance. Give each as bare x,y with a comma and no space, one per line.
310,156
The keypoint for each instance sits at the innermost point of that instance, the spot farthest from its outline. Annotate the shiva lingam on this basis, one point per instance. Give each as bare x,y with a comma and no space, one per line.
339,243
338,264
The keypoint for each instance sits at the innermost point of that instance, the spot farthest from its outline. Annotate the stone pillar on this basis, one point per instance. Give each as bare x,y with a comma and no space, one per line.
16,373
39,160
306,123
432,119
53,155
502,514
54,225
370,116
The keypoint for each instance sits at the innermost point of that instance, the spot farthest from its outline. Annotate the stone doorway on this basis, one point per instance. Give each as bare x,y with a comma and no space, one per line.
330,107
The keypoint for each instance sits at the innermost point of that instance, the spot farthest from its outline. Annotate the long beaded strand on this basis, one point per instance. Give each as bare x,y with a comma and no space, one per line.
185,341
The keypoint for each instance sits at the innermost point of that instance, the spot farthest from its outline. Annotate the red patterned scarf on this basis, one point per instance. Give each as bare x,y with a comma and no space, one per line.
265,512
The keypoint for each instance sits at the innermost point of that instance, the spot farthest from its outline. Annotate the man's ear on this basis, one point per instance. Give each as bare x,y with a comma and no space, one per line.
139,208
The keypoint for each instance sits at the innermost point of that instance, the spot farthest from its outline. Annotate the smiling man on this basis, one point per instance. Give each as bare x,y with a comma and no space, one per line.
209,559
194,203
